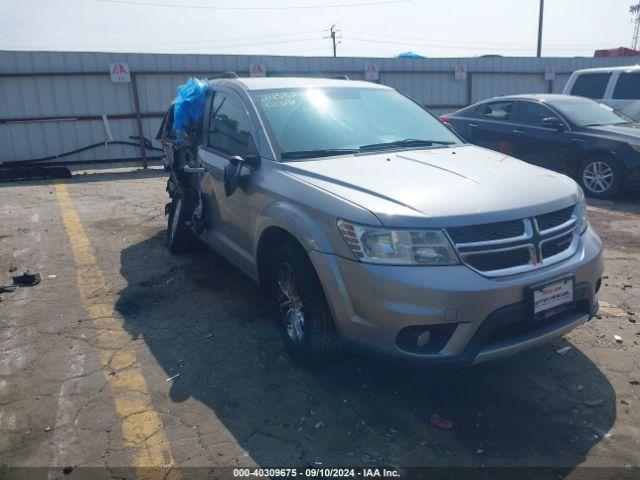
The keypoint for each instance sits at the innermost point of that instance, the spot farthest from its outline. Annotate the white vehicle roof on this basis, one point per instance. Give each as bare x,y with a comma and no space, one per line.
302,82
608,69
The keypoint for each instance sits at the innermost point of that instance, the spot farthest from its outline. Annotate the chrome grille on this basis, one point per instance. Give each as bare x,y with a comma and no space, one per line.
506,248
554,219
488,231
500,259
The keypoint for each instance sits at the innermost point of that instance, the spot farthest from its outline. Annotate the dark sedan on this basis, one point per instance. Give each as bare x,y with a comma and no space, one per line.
584,139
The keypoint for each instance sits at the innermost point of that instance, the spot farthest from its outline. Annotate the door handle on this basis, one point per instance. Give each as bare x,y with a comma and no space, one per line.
188,169
473,124
517,131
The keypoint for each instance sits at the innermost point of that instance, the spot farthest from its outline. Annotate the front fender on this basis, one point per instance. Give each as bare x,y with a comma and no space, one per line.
296,222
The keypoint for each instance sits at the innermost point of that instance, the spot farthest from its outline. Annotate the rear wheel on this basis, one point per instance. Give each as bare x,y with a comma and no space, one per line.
600,176
305,322
180,238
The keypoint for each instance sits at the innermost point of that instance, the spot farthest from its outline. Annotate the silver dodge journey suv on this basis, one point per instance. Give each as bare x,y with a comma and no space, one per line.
375,226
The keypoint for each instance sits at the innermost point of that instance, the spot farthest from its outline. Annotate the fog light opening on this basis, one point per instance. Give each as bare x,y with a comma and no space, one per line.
423,339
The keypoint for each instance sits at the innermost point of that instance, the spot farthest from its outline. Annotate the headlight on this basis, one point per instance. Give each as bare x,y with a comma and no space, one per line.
398,247
581,212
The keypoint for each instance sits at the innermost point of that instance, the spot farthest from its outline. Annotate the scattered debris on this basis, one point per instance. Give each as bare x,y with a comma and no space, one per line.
7,288
624,402
173,378
27,279
580,388
67,470
53,276
617,338
441,422
480,451
563,351
634,382
319,425
47,429
208,335
12,269
595,402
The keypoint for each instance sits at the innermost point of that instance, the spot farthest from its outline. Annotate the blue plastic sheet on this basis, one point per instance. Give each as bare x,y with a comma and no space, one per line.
410,55
189,105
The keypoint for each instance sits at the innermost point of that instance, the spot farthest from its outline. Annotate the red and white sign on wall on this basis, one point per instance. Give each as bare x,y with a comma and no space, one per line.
549,73
257,70
120,72
372,72
461,72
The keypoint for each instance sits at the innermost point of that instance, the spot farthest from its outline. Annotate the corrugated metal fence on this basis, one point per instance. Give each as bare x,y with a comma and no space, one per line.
57,102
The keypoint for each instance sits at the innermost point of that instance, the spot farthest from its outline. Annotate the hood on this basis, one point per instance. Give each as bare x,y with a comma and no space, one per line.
629,132
440,187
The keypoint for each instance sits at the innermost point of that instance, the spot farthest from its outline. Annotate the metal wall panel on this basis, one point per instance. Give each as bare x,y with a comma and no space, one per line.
37,87
486,85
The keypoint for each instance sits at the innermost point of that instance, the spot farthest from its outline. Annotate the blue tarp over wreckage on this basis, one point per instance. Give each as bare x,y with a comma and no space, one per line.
189,105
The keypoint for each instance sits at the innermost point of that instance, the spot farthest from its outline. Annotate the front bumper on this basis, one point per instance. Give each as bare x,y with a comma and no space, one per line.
477,318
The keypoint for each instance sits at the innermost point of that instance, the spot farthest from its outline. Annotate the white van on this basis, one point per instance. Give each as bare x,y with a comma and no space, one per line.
618,87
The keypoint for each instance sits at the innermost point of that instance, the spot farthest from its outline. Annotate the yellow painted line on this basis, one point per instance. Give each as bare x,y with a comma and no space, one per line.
142,430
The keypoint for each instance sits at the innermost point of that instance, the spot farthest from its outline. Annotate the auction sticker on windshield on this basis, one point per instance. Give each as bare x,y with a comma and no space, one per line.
550,298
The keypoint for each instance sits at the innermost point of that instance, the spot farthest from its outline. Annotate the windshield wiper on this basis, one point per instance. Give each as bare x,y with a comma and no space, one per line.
321,152
407,142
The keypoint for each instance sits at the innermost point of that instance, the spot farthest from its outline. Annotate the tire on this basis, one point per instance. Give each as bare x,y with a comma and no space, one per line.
600,176
180,238
304,321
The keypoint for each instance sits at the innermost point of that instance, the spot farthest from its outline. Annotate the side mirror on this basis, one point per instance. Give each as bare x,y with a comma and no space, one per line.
233,171
232,174
552,122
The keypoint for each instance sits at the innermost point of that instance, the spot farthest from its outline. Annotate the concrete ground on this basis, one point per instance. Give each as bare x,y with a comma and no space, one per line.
86,354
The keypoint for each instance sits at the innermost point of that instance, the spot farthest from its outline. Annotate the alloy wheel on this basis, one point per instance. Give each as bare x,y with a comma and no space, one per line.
290,302
176,217
597,177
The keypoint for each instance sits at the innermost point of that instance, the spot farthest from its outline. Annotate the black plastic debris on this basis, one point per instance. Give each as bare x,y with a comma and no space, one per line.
27,279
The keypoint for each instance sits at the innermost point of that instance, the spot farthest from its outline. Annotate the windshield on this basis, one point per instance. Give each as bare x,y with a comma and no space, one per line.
317,122
585,112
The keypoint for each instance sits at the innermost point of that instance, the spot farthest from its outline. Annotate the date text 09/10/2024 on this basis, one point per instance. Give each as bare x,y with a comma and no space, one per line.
316,472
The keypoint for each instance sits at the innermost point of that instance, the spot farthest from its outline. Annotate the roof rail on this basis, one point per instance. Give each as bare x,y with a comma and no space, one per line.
227,74
342,77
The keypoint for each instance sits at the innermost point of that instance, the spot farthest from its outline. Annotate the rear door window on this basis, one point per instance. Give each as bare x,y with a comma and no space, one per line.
628,86
591,85
532,113
497,111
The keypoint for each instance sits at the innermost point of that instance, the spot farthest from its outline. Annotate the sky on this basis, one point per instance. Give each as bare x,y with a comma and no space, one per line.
367,28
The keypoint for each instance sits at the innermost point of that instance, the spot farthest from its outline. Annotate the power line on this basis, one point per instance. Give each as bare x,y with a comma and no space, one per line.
211,47
454,47
187,42
216,7
431,41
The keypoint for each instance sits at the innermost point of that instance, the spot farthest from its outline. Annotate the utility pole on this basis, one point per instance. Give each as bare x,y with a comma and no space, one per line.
333,39
635,10
540,19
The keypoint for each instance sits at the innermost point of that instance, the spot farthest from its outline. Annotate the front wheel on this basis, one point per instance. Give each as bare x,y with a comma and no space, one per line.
180,238
600,176
305,322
